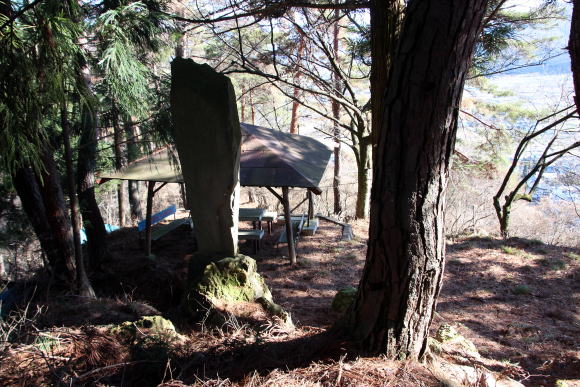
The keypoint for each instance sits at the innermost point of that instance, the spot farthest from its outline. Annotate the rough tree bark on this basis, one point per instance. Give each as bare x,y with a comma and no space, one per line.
97,244
405,258
56,214
27,186
363,156
117,139
386,22
83,285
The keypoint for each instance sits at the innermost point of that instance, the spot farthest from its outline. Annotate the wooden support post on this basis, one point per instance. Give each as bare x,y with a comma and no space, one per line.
183,195
150,194
289,230
299,204
275,194
310,207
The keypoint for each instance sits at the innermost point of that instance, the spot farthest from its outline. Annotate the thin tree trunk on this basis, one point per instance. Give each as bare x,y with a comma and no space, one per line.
132,155
405,259
574,49
289,228
294,117
117,138
363,179
251,196
243,103
504,222
336,115
296,92
84,287
97,244
252,110
180,46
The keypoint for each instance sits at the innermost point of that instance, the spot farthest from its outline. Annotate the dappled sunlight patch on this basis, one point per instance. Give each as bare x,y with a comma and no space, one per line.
492,297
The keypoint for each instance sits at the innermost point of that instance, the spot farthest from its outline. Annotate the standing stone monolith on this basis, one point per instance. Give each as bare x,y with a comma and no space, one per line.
207,134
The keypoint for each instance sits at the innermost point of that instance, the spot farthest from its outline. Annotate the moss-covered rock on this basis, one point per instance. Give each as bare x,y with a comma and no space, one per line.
226,281
232,279
275,310
343,299
445,333
156,326
448,339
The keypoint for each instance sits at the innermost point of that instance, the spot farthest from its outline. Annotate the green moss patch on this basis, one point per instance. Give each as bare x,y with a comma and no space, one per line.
343,299
231,280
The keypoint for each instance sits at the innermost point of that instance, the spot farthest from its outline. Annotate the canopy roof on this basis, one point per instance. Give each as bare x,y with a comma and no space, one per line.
269,158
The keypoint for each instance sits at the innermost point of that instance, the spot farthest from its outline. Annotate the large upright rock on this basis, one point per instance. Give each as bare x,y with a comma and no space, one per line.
207,133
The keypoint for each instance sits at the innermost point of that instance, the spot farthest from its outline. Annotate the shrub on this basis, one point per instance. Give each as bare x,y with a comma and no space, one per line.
522,290
510,250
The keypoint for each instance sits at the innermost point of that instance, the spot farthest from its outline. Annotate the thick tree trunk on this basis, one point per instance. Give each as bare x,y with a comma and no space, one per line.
26,184
97,245
60,227
44,206
117,138
363,180
574,49
336,115
405,258
132,155
84,287
386,21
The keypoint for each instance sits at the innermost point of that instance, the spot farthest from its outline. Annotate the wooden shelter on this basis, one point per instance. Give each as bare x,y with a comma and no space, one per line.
269,158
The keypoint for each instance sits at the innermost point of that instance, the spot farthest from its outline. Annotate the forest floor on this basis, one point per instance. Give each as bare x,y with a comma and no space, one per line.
516,300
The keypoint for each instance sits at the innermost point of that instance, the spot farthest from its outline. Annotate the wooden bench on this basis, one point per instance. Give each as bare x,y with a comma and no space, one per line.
166,228
297,225
156,218
251,235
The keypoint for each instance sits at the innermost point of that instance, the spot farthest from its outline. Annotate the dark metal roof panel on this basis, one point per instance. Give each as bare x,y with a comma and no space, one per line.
269,159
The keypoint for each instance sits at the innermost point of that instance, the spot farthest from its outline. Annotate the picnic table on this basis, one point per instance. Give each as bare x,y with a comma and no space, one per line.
253,215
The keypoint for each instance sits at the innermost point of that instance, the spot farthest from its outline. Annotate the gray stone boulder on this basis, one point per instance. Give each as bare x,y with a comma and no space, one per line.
208,136
343,299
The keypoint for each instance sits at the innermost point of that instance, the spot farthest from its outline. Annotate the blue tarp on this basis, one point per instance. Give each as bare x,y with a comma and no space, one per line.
108,227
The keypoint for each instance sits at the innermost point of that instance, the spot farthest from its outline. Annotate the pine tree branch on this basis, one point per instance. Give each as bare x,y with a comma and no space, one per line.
19,13
273,10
